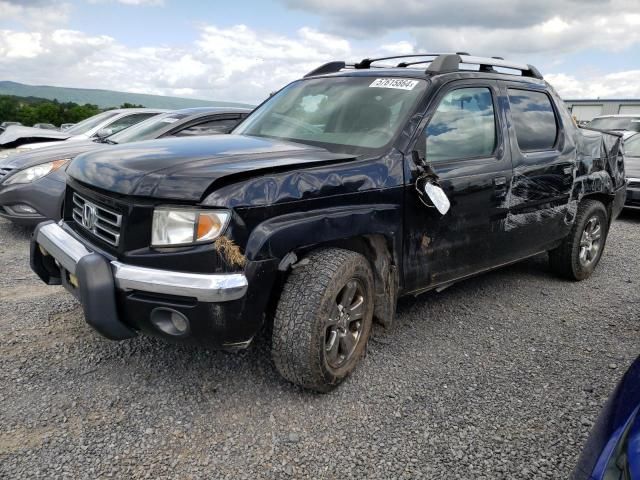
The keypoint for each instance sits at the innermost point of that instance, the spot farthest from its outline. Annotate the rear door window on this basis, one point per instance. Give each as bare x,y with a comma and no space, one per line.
534,120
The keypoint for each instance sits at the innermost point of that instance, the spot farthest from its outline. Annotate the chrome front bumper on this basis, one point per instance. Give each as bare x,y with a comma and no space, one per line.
68,251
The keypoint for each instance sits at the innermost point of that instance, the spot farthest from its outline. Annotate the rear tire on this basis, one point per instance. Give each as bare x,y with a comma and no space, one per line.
323,321
578,255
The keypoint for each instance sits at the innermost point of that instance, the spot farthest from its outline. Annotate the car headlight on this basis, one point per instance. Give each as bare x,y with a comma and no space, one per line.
184,226
31,174
7,152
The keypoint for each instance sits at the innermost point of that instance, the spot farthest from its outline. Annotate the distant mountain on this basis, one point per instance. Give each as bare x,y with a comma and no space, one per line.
106,98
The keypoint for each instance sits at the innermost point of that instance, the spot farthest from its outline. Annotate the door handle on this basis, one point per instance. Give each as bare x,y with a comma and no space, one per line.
500,184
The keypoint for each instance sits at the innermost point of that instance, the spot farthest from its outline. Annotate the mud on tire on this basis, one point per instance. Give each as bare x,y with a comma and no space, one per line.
577,257
317,341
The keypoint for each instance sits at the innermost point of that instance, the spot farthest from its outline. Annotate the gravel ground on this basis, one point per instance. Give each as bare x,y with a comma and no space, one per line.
500,376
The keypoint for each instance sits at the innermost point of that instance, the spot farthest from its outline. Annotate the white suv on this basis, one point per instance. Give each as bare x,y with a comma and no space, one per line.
627,124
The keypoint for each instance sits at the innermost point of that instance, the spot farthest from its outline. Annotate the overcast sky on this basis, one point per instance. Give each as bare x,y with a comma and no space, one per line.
240,51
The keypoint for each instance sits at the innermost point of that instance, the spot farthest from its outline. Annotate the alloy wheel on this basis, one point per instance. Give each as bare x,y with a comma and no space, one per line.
345,324
590,241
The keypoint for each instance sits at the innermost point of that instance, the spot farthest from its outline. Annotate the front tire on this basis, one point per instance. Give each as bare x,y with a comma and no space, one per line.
578,255
323,320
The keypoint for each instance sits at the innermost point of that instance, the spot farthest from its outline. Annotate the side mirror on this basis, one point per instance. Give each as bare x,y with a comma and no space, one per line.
104,133
427,184
438,197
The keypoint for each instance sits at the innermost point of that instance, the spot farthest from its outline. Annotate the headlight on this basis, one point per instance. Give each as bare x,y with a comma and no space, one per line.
30,174
7,152
183,226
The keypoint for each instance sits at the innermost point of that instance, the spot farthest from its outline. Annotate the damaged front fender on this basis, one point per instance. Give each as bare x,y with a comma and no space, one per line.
278,236
371,229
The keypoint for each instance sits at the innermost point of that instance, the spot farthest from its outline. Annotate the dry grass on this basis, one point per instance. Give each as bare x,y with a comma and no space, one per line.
230,251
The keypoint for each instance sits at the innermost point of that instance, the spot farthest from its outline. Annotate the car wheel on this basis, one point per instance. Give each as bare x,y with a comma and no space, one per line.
578,255
323,320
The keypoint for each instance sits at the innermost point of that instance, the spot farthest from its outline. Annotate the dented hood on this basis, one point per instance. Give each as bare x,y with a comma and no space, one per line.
15,136
184,169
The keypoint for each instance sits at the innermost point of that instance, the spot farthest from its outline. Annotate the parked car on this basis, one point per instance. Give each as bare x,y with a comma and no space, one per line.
66,126
612,451
103,124
5,125
343,191
46,126
628,124
32,183
632,168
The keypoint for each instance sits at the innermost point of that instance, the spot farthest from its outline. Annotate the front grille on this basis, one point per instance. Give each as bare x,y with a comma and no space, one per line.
102,222
631,184
4,172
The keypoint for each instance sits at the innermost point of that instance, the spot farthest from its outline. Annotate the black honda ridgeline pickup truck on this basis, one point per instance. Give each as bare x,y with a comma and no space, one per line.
344,190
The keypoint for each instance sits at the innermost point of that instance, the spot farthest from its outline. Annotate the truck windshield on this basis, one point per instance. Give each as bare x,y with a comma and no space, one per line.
616,123
339,113
147,130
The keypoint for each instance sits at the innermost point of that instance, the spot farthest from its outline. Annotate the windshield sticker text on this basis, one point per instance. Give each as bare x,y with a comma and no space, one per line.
398,83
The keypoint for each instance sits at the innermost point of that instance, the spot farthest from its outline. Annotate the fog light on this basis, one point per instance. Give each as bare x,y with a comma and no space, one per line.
170,321
22,209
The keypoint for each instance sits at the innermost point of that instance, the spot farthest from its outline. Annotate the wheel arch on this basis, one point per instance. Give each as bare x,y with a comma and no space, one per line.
606,199
371,230
596,186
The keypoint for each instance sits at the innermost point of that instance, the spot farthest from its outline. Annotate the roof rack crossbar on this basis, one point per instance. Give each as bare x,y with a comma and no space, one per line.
366,62
451,63
408,64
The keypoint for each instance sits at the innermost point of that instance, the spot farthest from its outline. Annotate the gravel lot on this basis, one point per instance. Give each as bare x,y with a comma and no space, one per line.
497,377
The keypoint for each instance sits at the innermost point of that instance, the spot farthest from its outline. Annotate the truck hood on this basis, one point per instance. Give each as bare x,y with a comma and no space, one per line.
15,136
185,168
58,151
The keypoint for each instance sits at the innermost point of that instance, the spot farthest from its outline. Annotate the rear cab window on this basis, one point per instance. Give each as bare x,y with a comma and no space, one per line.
534,120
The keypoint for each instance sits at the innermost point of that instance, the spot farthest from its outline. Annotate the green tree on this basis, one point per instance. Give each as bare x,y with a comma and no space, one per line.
8,109
30,110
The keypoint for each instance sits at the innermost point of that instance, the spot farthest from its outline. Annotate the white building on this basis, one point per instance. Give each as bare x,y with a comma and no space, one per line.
585,110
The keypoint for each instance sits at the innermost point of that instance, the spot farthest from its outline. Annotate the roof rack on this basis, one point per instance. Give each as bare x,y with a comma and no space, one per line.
366,63
333,67
451,63
438,63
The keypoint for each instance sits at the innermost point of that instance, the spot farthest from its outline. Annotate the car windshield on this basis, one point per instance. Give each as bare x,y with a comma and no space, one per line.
616,123
632,146
338,113
147,130
90,123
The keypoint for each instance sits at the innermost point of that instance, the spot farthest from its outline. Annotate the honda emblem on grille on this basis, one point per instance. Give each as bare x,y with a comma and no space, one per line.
89,215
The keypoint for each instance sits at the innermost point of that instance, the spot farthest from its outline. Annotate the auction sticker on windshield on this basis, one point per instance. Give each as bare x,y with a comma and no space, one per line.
399,83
